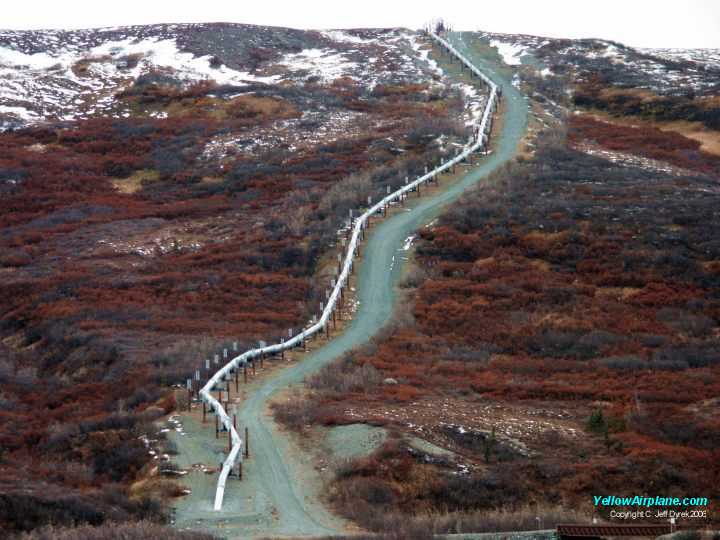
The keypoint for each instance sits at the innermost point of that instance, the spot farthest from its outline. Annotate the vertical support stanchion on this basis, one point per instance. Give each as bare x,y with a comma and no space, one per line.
430,178
189,393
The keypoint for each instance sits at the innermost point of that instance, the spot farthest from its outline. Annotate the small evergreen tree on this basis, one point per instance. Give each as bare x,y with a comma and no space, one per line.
489,444
606,438
597,423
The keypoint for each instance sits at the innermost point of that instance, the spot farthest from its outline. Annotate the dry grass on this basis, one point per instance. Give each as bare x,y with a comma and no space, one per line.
263,107
522,519
389,492
154,486
113,531
346,376
708,139
81,67
255,108
135,182
212,180
297,412
616,292
613,91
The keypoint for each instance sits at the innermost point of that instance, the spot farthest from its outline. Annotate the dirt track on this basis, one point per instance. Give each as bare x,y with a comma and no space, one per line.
279,492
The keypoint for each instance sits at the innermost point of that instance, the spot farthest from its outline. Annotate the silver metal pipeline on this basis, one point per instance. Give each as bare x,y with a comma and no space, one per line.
479,142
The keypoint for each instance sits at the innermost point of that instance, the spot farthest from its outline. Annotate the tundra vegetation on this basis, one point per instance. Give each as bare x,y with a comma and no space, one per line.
581,290
129,251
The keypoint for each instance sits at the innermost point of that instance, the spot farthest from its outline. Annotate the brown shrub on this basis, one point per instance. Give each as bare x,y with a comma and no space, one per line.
345,377
112,531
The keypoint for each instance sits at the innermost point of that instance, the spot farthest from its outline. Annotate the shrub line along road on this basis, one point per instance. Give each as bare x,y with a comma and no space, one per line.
273,498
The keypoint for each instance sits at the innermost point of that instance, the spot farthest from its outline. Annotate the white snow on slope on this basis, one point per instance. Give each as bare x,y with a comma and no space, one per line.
164,53
322,63
29,80
510,52
709,57
639,69
408,242
343,37
12,58
424,54
70,78
474,103
19,112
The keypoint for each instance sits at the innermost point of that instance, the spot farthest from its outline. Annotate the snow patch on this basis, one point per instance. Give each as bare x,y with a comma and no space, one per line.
20,112
408,242
424,54
322,63
12,58
343,37
510,52
708,57
164,53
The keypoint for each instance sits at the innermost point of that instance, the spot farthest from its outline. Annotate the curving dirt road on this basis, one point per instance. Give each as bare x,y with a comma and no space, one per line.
279,493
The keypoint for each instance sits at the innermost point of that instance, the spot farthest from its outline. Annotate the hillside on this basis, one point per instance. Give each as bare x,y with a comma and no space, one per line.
558,336
663,71
73,75
168,190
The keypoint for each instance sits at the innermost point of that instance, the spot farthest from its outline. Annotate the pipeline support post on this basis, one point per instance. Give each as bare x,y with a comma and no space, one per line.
356,231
